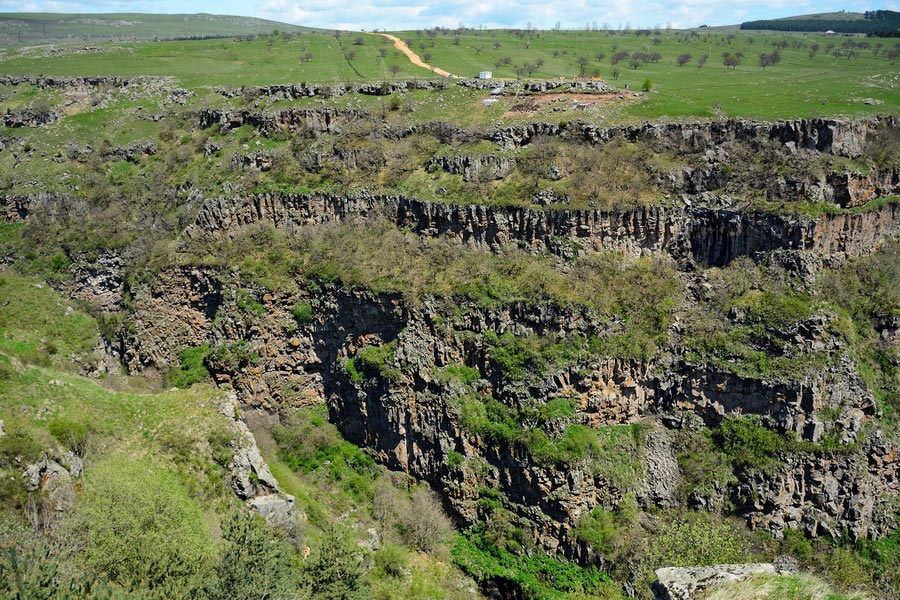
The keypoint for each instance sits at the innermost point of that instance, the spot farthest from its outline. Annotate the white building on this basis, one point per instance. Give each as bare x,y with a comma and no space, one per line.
485,75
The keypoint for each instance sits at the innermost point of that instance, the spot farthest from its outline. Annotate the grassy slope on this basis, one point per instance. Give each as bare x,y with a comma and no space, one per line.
175,431
46,28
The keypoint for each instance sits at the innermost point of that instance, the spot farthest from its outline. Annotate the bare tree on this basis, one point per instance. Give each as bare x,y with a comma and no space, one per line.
683,59
582,62
425,526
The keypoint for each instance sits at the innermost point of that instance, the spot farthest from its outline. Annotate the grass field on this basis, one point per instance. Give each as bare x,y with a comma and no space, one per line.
809,79
799,85
225,61
46,28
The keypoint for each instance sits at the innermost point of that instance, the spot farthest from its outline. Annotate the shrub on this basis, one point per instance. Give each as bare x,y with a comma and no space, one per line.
303,313
391,559
455,460
336,570
71,434
647,85
192,369
538,576
309,443
749,444
516,356
703,466
351,371
381,359
233,356
699,541
136,522
425,526
458,372
255,562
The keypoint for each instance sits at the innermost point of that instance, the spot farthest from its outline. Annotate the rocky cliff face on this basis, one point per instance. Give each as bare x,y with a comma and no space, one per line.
411,417
412,410
708,236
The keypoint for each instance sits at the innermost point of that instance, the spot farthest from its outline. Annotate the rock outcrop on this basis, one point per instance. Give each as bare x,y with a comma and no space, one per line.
689,583
28,118
251,479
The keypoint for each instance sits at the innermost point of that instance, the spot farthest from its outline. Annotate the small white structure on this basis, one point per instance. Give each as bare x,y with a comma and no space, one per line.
485,75
488,102
830,32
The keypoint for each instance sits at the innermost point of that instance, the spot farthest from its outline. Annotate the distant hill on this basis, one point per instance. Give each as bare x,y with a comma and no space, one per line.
45,28
877,22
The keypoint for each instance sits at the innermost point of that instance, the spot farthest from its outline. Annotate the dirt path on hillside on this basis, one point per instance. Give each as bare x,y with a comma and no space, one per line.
412,56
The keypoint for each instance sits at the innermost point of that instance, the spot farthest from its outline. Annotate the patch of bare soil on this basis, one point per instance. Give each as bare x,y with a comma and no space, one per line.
532,103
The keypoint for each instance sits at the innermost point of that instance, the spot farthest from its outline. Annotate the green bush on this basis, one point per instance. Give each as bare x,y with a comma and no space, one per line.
255,562
247,303
749,444
392,559
192,370
308,443
134,521
699,541
704,468
303,313
351,371
336,571
557,408
71,434
517,356
458,372
539,577
232,356
381,359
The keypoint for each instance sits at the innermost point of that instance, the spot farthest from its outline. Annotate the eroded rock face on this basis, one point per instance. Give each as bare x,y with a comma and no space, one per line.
410,417
305,121
54,479
411,421
709,236
251,479
100,283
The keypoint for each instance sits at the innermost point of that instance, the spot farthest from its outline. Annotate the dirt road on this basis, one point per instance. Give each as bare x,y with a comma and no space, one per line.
412,56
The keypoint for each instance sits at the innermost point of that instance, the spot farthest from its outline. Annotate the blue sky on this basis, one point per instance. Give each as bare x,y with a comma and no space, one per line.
406,14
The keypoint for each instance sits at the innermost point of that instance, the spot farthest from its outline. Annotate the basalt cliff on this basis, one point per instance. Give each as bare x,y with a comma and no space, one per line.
490,397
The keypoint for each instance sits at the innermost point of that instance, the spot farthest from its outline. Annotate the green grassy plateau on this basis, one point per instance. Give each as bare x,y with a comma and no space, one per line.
815,75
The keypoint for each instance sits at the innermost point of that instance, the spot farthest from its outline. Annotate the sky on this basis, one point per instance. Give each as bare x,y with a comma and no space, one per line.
407,14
